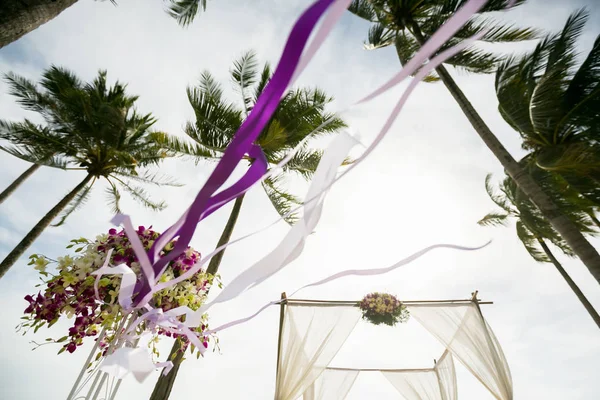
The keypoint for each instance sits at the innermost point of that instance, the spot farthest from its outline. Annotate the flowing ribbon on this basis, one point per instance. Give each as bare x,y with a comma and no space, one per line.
296,236
241,143
350,272
290,248
136,361
128,279
186,224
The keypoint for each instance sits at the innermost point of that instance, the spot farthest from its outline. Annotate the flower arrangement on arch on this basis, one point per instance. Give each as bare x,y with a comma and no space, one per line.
69,291
383,308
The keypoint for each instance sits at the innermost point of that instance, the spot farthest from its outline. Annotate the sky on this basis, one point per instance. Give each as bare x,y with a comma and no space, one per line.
423,185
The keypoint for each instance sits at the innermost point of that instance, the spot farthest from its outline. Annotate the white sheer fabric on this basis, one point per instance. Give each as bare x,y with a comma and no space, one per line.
415,384
447,376
438,383
464,332
311,337
333,384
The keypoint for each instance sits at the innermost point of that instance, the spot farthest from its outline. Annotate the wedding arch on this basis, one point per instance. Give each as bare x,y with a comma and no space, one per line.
311,332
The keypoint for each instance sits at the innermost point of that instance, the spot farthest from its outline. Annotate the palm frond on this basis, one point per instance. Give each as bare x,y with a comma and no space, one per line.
79,200
494,219
563,47
583,96
265,76
178,146
244,75
475,60
406,47
185,11
216,120
282,201
156,179
363,9
27,94
34,156
498,5
500,201
379,36
140,195
304,162
497,32
530,243
113,197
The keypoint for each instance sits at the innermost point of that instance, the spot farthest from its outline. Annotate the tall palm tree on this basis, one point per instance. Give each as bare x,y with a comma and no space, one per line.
534,231
554,104
407,24
89,127
301,115
18,17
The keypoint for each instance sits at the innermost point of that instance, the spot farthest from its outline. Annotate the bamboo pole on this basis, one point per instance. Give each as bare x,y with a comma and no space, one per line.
281,316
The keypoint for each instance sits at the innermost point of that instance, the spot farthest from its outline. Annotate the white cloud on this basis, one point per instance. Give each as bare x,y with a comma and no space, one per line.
423,185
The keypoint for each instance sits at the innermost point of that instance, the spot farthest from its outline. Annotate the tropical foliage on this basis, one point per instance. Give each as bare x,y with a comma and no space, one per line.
92,127
406,24
535,232
300,116
185,11
553,100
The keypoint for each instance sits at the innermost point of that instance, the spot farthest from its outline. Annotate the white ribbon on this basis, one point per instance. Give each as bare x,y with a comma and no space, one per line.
137,361
128,279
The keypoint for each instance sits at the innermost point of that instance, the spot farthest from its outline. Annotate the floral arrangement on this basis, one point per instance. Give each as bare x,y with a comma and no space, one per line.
69,291
383,308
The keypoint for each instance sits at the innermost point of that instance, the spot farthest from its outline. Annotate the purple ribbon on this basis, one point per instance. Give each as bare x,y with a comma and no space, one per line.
241,144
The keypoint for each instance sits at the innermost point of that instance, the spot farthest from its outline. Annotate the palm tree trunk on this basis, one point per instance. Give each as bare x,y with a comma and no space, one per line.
17,182
42,224
19,17
565,227
164,385
588,306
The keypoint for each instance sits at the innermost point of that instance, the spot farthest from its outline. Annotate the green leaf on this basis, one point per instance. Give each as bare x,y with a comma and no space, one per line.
79,200
185,11
379,36
363,9
244,75
494,219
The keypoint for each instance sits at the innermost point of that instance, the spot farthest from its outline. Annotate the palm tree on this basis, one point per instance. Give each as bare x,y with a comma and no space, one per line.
89,127
554,104
18,17
407,24
534,231
300,116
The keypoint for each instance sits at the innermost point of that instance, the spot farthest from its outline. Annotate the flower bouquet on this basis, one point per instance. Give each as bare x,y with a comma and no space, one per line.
69,292
383,308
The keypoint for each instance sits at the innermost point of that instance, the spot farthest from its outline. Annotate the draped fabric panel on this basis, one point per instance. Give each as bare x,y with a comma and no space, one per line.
465,333
311,336
446,375
333,384
415,384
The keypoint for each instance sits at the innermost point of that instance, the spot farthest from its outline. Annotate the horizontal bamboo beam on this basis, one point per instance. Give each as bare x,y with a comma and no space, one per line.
353,303
381,369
